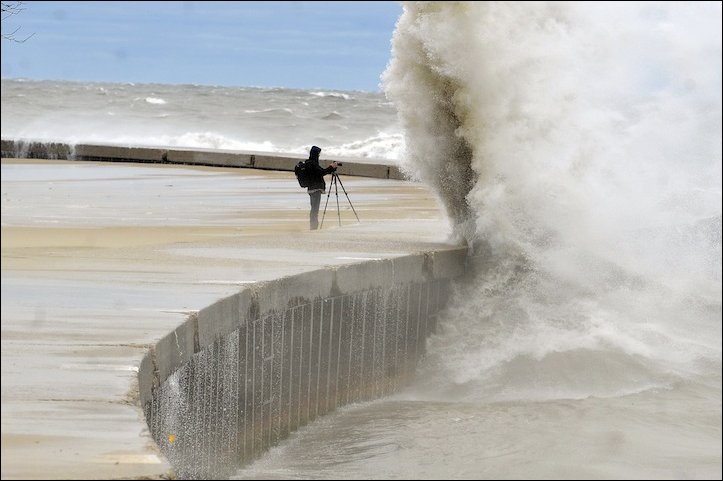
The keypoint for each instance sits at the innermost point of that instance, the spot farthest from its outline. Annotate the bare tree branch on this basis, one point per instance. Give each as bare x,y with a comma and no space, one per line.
8,10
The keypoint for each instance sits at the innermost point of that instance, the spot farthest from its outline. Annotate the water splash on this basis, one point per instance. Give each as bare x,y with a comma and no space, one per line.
578,147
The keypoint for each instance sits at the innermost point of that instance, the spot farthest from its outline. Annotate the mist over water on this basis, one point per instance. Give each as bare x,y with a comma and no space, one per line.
577,147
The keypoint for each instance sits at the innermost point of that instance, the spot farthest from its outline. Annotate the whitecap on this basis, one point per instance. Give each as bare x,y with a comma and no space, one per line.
338,95
154,100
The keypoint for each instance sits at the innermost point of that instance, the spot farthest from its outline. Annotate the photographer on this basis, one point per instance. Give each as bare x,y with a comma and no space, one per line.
317,186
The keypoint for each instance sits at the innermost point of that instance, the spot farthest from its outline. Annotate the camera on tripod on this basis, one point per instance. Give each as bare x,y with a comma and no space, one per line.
335,183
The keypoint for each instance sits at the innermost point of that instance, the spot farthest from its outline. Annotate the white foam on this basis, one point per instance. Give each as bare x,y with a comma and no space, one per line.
155,101
578,142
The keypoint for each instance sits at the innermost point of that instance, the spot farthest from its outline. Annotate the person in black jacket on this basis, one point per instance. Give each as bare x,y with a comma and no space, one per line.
317,186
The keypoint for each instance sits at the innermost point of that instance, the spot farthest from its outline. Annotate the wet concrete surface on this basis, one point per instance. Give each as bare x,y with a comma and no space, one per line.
101,260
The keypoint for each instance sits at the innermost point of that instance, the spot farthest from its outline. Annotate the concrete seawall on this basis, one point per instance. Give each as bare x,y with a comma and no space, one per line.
22,149
150,314
251,368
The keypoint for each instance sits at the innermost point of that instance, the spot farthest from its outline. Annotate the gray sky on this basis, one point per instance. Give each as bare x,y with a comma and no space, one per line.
332,45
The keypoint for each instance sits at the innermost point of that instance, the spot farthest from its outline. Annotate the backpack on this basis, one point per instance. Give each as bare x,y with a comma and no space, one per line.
302,174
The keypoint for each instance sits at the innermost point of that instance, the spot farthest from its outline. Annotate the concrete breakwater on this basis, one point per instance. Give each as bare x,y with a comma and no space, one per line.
251,368
24,149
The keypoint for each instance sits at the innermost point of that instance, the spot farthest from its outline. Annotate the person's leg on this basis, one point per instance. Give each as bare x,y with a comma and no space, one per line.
315,198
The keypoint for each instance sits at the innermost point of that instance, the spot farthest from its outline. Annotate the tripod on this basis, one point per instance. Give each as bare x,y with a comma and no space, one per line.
336,182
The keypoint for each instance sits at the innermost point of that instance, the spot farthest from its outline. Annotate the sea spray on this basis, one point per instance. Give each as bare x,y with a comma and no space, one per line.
427,95
578,147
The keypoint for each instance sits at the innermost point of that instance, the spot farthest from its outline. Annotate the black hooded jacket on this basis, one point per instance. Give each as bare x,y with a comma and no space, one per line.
316,172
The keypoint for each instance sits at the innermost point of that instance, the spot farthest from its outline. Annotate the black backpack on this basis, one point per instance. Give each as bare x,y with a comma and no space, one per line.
302,173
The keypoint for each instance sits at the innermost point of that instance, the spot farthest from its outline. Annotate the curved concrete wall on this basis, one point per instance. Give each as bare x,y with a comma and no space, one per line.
251,368
211,157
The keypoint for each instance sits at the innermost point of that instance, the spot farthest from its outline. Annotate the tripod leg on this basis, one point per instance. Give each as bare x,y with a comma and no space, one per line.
336,189
347,198
326,204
